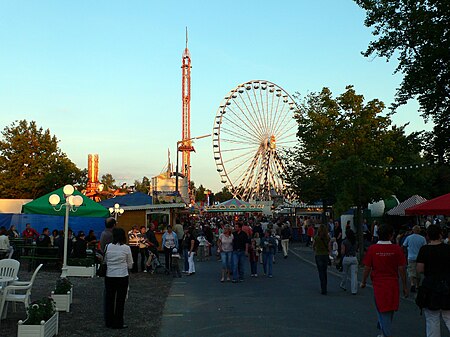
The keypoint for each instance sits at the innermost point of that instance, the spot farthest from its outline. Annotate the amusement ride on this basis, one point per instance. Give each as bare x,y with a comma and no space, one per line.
254,122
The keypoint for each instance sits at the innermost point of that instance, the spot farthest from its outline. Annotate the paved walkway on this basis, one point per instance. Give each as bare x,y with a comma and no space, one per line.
289,304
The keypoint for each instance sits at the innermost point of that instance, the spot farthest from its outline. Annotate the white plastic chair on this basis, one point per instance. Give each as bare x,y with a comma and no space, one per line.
9,268
18,291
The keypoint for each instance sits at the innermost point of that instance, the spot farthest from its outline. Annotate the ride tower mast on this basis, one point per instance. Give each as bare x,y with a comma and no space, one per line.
186,144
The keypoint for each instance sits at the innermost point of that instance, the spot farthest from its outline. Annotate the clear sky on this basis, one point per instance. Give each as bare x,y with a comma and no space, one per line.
105,76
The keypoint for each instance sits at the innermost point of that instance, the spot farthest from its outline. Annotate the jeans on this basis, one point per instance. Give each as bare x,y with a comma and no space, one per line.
285,246
135,255
168,258
267,263
322,265
238,265
191,263
226,260
350,264
144,256
433,321
254,267
186,259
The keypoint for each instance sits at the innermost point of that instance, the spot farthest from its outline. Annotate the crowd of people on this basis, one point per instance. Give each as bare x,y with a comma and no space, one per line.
77,244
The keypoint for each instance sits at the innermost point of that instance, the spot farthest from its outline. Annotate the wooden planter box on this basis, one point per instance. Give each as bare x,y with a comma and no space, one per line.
62,301
45,329
81,271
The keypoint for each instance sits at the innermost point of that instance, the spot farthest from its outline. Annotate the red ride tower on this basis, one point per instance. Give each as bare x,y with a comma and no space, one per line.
186,145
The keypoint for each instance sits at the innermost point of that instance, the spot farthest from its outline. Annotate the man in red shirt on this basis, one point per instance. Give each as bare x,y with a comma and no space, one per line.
29,234
384,262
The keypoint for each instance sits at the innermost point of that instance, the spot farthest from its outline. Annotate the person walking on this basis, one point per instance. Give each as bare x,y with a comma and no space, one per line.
322,250
190,244
118,259
433,261
106,236
285,237
143,247
269,248
349,262
384,262
240,251
133,241
169,242
225,247
412,245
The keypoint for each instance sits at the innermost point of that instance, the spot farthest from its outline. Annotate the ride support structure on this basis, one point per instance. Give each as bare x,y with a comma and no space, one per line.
186,144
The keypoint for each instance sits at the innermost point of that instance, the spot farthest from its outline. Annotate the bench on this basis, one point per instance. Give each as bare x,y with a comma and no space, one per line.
34,254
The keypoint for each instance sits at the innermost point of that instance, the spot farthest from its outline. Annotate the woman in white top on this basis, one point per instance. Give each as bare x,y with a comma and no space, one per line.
118,260
225,244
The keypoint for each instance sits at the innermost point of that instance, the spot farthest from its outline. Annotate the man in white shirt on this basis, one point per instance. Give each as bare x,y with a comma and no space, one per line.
5,247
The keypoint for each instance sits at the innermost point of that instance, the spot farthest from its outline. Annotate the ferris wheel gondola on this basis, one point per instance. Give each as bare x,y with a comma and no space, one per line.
253,123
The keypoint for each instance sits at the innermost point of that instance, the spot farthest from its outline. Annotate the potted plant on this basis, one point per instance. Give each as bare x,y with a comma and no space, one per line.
42,320
62,295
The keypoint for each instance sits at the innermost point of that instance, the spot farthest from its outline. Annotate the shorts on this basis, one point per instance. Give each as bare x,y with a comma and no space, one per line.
412,272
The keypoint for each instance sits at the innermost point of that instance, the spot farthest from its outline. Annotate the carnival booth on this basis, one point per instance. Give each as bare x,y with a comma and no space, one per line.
436,206
235,206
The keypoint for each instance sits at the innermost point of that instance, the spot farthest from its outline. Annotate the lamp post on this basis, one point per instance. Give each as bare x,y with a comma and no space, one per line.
116,211
71,203
178,150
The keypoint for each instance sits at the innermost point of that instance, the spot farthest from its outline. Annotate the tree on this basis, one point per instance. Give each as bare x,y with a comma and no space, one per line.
418,34
200,193
223,195
344,148
108,181
143,186
31,164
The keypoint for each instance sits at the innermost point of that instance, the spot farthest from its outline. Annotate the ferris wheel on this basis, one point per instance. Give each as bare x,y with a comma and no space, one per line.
254,122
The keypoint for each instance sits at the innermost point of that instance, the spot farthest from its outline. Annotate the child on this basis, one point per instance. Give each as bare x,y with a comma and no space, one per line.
175,265
202,246
253,258
334,250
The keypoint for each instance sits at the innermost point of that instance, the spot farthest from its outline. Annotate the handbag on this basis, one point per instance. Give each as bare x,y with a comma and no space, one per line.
101,271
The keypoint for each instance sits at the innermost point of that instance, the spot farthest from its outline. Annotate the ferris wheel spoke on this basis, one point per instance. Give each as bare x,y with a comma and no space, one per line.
239,135
250,124
281,118
243,159
274,110
251,112
247,176
286,127
232,141
257,114
250,128
253,121
286,136
238,149
260,113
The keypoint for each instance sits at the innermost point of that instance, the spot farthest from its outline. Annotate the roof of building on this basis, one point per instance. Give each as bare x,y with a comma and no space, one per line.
132,199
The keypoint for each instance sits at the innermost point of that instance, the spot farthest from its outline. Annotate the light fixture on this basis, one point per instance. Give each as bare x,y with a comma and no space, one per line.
71,203
116,211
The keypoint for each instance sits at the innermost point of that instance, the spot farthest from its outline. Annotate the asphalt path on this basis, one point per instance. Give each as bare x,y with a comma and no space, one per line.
289,304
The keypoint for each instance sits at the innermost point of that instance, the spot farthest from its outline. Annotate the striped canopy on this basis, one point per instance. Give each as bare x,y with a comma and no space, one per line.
400,208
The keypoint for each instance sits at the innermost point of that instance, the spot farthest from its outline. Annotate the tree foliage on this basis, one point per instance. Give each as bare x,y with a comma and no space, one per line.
31,164
142,186
345,147
223,195
108,181
418,34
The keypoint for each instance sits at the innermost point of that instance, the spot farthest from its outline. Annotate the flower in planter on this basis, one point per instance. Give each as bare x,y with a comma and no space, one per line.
63,285
40,310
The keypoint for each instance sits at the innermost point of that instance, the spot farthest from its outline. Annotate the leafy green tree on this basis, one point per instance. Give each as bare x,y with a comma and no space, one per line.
417,33
143,186
200,193
108,181
344,148
31,163
222,196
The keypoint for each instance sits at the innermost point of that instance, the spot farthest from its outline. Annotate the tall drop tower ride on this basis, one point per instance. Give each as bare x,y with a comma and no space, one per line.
186,144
